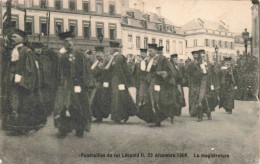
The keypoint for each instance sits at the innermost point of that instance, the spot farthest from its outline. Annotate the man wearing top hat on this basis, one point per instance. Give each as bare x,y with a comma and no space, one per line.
71,109
160,83
123,97
178,72
228,85
200,83
21,112
101,103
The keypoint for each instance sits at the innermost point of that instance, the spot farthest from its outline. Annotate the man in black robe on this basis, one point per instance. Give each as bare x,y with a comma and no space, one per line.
228,86
71,109
179,80
101,103
159,88
47,79
123,97
22,111
199,85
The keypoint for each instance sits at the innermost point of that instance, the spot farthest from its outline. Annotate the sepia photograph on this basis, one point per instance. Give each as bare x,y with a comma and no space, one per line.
129,82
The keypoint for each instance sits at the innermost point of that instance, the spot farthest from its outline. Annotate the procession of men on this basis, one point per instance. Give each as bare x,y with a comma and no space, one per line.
73,86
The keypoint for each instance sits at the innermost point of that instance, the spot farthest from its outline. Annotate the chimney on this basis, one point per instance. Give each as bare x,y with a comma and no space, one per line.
158,11
135,5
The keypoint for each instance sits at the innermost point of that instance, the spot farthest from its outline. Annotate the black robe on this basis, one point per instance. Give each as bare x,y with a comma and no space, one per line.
22,97
122,104
102,100
73,71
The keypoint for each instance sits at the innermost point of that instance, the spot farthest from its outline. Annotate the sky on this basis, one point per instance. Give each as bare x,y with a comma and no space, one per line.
236,13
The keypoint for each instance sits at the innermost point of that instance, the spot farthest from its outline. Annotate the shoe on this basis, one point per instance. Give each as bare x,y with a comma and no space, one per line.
158,124
61,135
80,134
13,133
199,120
171,119
125,120
117,122
230,112
209,116
98,120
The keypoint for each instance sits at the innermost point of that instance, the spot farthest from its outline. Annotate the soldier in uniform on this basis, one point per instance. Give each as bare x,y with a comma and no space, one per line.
199,85
123,97
228,85
72,111
102,99
179,79
22,111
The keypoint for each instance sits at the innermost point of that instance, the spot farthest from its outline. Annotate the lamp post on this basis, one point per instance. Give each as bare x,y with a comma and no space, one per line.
216,51
245,36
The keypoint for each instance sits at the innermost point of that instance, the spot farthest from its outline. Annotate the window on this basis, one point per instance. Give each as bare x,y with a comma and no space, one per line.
43,3
73,26
72,5
112,31
58,4
130,39
207,42
14,21
231,45
213,43
100,29
99,6
112,9
174,46
167,46
159,26
43,26
145,42
220,43
160,43
86,29
194,42
238,53
138,42
29,3
180,47
29,25
86,6
226,45
144,23
153,41
58,26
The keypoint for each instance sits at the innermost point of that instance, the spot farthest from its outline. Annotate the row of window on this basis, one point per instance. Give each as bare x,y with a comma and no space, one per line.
221,44
216,57
145,43
59,27
73,5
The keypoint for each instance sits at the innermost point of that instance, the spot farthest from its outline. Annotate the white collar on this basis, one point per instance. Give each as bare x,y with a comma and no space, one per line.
18,45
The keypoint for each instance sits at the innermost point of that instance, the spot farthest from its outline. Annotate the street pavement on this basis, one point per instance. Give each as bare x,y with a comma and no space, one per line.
234,137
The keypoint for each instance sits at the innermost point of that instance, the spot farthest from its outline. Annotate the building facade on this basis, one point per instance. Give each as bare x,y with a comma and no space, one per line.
94,22
140,28
255,30
202,34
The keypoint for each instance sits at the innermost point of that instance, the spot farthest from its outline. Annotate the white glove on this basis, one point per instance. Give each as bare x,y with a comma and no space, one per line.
212,87
17,78
67,113
105,84
235,87
77,89
157,88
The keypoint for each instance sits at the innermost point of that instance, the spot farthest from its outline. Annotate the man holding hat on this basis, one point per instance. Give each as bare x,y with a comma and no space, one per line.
71,111
101,103
20,112
123,97
228,85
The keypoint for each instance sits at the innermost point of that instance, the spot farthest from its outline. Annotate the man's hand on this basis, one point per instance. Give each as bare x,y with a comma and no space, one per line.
77,89
17,78
235,87
212,87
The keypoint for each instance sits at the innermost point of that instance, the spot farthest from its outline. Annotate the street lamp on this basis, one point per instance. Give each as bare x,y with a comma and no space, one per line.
216,50
245,36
